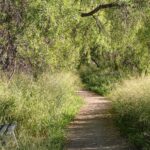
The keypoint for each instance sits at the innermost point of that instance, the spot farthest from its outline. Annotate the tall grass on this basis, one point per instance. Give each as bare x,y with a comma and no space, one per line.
131,102
42,108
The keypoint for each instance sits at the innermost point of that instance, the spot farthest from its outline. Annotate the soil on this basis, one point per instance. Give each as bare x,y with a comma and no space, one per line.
93,128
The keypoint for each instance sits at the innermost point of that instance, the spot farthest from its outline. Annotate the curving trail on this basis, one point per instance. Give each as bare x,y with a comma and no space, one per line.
93,127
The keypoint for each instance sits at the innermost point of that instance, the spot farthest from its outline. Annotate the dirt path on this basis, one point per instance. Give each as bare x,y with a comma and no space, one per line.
93,127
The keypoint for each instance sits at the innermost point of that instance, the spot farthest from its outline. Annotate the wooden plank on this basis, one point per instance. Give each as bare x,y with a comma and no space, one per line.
1,126
11,129
3,129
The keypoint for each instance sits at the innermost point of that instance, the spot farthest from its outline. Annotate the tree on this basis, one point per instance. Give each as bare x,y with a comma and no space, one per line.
100,7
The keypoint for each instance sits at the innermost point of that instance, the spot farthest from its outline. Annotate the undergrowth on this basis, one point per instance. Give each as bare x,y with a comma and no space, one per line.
101,82
131,102
42,108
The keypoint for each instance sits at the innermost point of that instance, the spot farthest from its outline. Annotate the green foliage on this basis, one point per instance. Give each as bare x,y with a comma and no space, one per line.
131,102
37,35
41,108
99,81
118,47
41,35
116,44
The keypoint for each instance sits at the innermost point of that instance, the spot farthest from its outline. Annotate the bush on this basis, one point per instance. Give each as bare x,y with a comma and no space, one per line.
131,102
41,108
101,82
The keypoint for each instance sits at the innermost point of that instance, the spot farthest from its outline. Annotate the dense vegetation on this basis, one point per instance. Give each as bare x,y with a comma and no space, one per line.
132,104
119,47
106,41
39,34
41,108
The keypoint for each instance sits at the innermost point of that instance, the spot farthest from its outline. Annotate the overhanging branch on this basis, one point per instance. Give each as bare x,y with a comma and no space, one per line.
101,6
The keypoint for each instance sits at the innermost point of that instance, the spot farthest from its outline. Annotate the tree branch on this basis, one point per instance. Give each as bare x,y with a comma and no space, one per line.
103,6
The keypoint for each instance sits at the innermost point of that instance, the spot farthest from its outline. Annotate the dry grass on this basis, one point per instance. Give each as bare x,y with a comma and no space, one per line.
131,101
41,108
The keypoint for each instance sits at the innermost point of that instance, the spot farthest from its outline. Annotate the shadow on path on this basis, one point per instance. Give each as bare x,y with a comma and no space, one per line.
93,127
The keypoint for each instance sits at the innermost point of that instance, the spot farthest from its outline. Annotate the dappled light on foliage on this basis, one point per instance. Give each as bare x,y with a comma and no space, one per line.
103,41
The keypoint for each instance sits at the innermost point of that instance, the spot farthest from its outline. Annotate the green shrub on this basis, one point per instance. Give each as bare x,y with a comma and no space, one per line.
131,102
42,108
101,82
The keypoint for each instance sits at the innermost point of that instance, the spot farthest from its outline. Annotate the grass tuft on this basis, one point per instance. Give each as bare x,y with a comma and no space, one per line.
131,102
